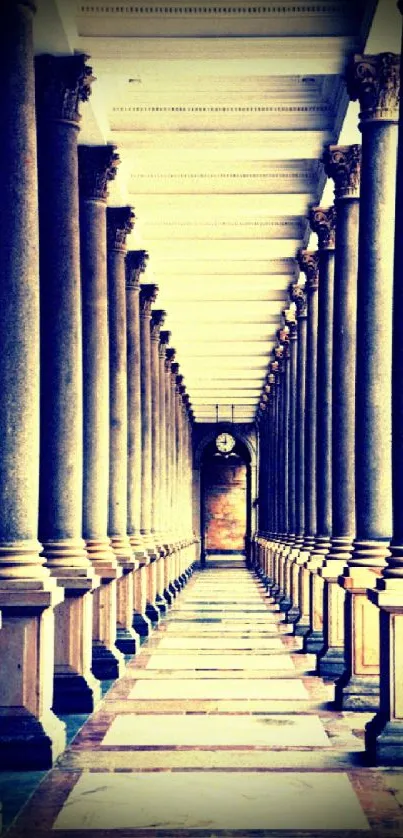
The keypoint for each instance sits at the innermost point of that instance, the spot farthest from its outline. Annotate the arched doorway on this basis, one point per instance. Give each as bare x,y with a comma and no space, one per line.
225,497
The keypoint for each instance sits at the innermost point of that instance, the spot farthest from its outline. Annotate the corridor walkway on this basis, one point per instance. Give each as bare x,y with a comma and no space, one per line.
218,724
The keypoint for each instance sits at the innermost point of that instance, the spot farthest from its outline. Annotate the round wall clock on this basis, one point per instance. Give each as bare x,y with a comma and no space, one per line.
225,443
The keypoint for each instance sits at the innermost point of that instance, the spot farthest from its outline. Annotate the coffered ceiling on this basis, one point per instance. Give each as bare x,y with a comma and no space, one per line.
220,112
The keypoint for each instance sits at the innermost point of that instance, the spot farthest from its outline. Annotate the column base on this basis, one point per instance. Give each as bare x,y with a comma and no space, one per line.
28,743
152,612
172,590
141,624
360,692
301,628
106,664
384,741
127,641
74,693
314,642
293,614
161,604
168,597
332,663
285,604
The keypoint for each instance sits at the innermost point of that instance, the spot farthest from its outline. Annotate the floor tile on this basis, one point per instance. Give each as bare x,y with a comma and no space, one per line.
226,801
223,642
248,662
213,688
215,730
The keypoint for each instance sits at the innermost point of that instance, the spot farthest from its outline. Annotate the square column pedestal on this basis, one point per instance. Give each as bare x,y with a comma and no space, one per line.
31,736
358,687
384,734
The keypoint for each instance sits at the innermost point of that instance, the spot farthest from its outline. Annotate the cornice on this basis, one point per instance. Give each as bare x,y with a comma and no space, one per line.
307,8
222,109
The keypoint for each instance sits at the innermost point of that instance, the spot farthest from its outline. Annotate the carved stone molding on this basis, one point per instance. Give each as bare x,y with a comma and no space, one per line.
298,296
120,222
174,370
308,261
164,337
148,296
136,263
343,165
290,322
323,223
375,81
158,316
97,165
308,8
61,83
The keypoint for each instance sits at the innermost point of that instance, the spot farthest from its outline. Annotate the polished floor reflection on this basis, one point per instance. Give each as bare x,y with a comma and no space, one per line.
217,729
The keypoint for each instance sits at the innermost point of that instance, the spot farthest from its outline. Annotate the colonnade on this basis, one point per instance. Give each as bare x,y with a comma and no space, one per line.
95,424
329,543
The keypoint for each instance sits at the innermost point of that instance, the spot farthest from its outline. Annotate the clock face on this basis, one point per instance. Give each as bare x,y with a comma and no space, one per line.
225,443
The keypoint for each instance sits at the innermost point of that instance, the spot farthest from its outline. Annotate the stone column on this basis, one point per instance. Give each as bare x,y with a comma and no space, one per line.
384,734
309,263
342,163
157,320
375,81
119,224
148,294
299,297
275,369
97,165
61,83
30,735
323,223
174,473
170,458
136,261
290,431
164,441
283,598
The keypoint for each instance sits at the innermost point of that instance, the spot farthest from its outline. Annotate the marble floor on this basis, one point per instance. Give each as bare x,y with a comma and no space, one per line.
217,728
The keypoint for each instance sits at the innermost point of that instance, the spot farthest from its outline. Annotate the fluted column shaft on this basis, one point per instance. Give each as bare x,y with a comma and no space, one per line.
342,163
375,81
27,726
164,337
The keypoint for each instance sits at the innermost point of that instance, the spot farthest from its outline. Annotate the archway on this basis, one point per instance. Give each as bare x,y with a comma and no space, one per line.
225,496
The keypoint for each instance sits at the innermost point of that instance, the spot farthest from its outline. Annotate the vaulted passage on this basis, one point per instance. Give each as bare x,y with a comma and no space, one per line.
201,416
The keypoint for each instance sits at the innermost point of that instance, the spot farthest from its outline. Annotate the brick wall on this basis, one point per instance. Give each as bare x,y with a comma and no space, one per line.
224,503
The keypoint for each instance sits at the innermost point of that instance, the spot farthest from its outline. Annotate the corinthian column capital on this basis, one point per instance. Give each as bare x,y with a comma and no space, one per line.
157,320
97,165
61,83
120,222
136,263
323,223
298,296
148,296
375,81
308,261
343,164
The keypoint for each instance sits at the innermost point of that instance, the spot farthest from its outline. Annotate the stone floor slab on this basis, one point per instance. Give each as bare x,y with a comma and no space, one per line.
223,642
229,801
213,688
246,662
